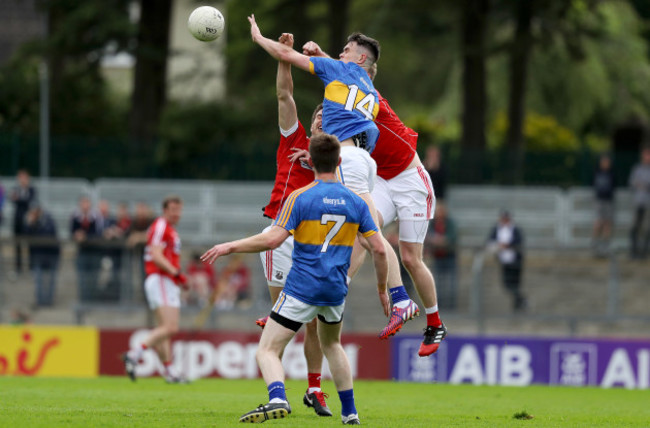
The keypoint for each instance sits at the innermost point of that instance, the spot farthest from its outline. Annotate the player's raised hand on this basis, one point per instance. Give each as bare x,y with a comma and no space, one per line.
299,154
312,49
385,302
286,39
215,252
255,30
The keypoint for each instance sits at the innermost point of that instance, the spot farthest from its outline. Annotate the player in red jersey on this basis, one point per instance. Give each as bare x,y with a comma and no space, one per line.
403,191
162,282
292,173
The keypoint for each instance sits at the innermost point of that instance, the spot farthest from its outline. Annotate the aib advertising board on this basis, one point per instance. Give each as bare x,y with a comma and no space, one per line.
525,361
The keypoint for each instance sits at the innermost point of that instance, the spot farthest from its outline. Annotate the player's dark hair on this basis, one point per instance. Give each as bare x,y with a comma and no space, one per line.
171,199
368,43
324,150
318,108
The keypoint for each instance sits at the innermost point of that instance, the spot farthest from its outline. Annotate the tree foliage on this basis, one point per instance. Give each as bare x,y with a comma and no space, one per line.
588,68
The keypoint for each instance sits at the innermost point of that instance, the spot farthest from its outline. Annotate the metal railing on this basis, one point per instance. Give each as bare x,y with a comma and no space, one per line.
611,312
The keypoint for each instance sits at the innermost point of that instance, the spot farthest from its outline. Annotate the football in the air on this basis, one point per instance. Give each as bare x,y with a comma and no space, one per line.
206,23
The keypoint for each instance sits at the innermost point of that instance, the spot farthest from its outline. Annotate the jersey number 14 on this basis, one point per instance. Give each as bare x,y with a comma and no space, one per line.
365,105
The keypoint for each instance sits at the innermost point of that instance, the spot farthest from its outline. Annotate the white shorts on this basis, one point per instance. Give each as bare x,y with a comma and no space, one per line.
358,170
409,198
299,311
277,263
161,291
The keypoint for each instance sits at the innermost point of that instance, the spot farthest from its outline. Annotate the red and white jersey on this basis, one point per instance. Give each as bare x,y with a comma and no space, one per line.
290,175
162,233
396,145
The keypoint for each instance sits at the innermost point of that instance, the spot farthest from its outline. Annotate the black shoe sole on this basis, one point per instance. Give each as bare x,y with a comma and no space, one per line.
257,417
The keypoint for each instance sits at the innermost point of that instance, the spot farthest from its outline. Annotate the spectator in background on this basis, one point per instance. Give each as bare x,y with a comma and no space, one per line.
2,202
84,230
234,284
137,236
507,241
106,223
202,281
604,184
44,253
640,184
123,219
436,169
441,242
22,195
110,266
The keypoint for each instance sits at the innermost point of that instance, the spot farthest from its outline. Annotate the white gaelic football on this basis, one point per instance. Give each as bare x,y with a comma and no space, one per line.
206,23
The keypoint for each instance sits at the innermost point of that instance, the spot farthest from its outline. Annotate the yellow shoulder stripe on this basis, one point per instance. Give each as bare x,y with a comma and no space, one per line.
285,213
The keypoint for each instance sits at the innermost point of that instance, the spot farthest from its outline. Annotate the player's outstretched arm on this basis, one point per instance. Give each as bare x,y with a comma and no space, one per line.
380,260
276,49
268,240
287,110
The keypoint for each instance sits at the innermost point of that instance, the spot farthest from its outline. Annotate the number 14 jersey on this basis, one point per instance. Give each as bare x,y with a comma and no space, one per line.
350,105
324,218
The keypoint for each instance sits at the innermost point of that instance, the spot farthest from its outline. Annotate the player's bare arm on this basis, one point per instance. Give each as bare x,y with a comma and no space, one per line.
287,110
278,50
265,241
381,269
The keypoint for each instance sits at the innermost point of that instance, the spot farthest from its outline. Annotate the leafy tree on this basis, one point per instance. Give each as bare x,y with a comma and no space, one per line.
474,28
150,77
79,34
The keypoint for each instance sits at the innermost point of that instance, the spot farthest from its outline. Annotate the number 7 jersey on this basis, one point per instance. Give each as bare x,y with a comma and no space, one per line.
350,104
324,218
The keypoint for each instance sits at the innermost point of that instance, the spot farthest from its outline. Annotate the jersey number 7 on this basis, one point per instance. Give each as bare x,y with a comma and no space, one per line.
338,220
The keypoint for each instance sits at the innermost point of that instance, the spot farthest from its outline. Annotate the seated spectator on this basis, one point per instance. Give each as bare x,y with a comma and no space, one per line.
234,284
202,281
44,253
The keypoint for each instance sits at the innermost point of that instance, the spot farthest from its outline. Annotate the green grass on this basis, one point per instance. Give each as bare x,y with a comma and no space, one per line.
116,402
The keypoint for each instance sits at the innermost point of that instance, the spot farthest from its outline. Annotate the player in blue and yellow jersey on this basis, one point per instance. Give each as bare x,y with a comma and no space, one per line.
350,103
349,97
324,219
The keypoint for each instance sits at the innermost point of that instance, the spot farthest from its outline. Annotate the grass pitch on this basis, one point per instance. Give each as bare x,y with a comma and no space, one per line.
117,402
